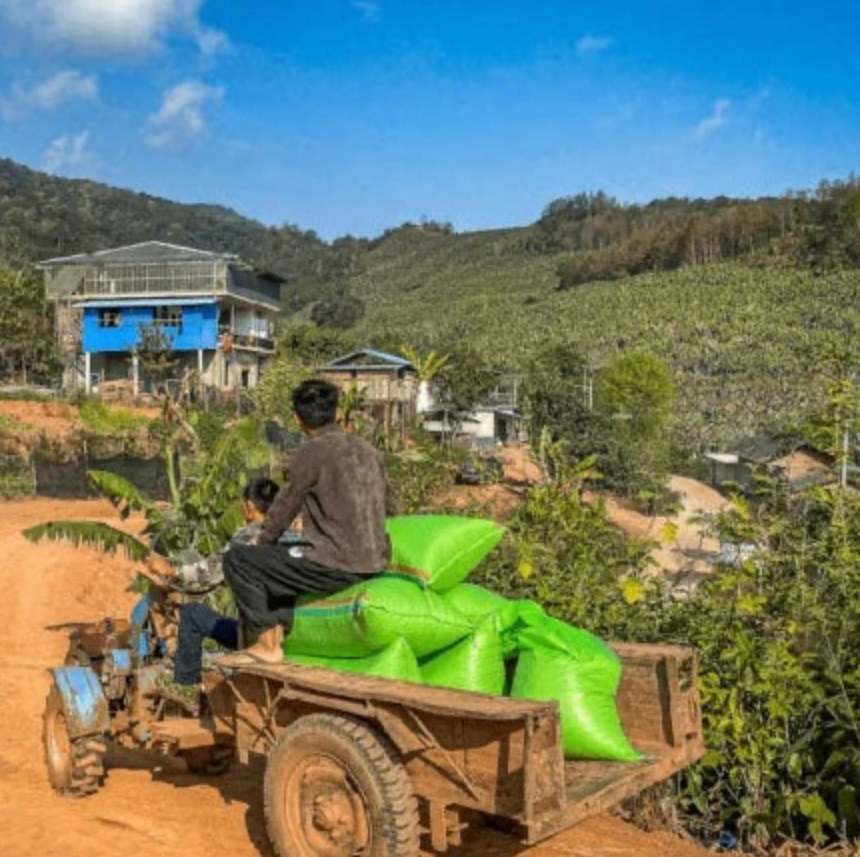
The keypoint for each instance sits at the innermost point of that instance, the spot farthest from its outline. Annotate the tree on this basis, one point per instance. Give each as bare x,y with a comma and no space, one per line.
635,395
154,350
466,382
427,369
28,347
558,398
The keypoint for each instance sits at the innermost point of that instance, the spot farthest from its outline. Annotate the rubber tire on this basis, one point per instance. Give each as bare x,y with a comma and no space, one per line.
82,771
209,761
370,760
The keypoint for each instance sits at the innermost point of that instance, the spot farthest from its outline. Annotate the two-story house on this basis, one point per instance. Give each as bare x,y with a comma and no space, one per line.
217,311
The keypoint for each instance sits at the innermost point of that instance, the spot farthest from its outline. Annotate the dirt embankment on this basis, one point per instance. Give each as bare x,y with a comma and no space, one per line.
150,805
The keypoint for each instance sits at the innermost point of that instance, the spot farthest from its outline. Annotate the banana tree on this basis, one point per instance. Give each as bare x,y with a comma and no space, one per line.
427,368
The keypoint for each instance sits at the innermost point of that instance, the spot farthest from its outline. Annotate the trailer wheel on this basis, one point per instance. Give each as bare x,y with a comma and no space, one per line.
75,766
335,788
209,761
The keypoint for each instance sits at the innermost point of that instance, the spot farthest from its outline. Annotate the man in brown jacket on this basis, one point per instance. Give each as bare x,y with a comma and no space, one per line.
337,484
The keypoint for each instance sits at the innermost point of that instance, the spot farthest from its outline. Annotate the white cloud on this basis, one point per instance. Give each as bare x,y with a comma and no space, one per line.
180,121
588,45
62,87
368,9
718,118
111,27
69,150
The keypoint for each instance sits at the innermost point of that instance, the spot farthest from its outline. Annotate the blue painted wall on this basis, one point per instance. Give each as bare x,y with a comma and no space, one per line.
199,329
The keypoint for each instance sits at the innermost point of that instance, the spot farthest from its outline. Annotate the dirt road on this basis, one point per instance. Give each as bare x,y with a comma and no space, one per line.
150,806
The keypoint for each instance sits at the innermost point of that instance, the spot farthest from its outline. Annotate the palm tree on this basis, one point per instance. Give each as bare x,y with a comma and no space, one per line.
427,368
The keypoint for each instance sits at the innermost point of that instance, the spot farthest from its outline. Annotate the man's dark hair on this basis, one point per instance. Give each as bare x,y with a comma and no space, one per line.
315,402
261,493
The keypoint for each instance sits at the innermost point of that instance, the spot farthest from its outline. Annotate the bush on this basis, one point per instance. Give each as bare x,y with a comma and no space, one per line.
777,633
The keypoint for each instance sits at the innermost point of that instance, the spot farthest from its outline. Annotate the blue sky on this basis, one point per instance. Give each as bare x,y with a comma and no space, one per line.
352,116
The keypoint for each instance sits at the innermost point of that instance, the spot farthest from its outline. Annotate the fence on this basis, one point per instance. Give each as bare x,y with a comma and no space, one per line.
17,477
68,480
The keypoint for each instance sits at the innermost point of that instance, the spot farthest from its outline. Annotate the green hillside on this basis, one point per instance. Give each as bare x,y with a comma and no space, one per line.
742,340
738,297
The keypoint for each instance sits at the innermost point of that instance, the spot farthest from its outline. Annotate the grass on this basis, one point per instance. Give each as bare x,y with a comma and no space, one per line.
102,420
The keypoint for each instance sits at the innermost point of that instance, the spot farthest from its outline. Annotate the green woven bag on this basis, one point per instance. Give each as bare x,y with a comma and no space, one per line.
439,551
476,602
396,661
475,664
367,617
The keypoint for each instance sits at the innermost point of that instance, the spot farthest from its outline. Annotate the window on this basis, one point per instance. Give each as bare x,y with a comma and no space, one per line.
167,316
110,318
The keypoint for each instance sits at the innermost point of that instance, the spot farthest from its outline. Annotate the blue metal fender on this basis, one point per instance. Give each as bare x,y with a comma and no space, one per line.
84,703
139,637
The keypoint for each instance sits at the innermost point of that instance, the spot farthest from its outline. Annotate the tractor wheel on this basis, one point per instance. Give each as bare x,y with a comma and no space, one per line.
335,788
75,767
209,761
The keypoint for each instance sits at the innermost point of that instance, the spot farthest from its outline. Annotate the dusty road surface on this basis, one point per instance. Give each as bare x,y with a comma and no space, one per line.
150,806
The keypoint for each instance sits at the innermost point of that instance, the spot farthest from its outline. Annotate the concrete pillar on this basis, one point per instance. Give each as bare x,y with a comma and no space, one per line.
87,369
135,375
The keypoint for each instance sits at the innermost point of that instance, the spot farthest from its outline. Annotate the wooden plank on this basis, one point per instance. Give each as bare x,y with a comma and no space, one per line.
459,703
593,787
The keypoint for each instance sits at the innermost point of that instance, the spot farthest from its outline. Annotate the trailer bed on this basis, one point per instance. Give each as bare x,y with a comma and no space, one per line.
498,756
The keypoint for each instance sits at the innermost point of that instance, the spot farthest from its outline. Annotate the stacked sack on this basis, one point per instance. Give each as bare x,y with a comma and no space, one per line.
421,622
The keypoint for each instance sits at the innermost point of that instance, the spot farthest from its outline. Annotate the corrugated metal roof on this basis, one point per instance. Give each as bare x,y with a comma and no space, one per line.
153,302
387,361
147,251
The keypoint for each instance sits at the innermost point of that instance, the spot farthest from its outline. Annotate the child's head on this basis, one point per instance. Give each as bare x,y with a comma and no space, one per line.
257,497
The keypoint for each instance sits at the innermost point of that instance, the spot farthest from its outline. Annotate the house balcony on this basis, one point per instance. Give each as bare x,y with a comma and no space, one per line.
229,341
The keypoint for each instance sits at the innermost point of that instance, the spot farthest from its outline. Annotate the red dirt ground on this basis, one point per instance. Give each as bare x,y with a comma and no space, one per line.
150,806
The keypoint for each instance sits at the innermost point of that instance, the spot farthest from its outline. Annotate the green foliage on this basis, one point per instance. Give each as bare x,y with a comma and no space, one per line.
417,474
273,396
314,345
427,366
111,421
635,395
464,379
124,496
28,349
91,533
619,413
17,477
154,350
557,394
776,630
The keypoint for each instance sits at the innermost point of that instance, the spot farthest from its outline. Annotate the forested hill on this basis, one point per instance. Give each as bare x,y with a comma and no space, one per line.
42,216
737,295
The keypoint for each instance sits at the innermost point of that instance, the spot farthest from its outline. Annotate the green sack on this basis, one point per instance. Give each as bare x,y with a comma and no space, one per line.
439,551
579,645
475,663
528,614
476,603
397,662
367,617
590,727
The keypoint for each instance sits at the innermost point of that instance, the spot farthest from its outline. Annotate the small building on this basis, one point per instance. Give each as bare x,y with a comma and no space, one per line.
798,465
486,425
217,311
387,382
497,419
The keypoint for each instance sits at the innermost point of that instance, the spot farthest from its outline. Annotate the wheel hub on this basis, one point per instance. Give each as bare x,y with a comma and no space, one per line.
333,816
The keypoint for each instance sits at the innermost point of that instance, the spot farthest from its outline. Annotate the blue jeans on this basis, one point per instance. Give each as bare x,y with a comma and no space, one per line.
197,622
